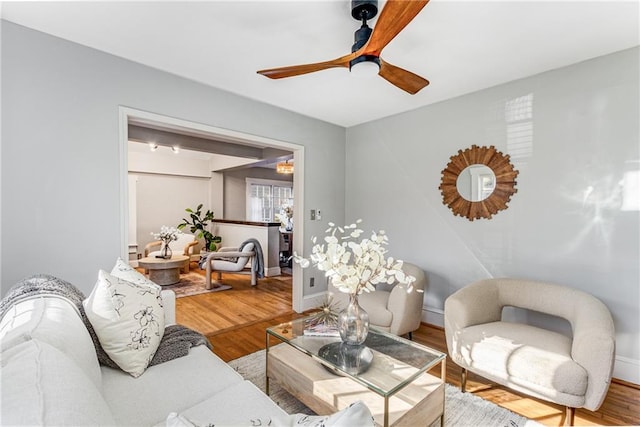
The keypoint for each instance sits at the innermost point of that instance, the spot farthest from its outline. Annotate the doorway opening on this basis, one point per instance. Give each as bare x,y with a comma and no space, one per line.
193,134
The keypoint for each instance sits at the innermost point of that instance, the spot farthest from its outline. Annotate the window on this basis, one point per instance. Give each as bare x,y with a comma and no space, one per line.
266,198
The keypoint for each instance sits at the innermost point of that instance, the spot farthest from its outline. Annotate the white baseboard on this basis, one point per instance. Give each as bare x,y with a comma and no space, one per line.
272,271
313,301
625,368
433,316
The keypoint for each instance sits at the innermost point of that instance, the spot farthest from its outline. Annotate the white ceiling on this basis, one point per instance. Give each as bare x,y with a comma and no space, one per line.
460,46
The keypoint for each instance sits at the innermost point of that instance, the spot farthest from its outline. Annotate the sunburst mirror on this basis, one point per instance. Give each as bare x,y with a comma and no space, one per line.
478,182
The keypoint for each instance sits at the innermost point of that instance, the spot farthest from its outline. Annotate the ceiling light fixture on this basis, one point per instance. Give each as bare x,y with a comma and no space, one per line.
284,167
365,69
175,149
153,146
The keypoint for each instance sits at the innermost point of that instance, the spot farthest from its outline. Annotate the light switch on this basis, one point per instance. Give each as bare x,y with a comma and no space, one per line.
313,214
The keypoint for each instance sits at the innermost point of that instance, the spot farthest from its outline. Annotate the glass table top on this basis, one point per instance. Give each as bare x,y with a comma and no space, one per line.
392,362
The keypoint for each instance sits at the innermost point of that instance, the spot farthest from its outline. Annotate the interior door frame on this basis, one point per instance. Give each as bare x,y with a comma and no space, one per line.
126,114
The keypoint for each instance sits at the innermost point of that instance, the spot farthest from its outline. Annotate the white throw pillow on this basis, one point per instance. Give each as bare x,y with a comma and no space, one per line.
128,319
124,271
355,415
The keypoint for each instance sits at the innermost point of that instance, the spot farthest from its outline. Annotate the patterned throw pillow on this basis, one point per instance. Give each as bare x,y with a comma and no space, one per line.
124,271
128,319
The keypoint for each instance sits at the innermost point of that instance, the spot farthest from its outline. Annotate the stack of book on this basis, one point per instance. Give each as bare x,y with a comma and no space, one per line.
319,329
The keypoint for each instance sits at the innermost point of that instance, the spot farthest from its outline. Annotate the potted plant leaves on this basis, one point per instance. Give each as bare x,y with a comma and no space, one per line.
198,226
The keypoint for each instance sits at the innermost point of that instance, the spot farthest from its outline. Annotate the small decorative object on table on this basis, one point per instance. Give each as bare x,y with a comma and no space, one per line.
355,267
323,323
166,236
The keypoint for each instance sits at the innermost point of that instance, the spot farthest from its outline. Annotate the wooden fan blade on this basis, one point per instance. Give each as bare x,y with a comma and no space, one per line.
296,70
395,15
402,78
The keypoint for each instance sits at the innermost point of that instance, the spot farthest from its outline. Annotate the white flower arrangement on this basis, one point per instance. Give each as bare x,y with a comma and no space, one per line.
166,234
286,212
355,267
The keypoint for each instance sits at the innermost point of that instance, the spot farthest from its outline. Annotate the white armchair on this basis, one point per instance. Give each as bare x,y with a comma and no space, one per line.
391,308
230,260
571,371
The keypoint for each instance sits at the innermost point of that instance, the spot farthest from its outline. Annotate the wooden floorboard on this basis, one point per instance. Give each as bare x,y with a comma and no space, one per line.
235,320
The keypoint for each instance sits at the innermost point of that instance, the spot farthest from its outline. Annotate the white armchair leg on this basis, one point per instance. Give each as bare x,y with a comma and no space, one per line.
463,380
569,416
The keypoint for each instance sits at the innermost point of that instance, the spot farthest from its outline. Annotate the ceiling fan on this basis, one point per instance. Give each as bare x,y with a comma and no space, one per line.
369,43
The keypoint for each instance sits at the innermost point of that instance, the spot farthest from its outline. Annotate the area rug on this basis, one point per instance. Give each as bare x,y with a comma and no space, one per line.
192,283
461,409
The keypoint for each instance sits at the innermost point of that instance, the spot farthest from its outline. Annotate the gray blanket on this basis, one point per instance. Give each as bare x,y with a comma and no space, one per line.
258,260
176,341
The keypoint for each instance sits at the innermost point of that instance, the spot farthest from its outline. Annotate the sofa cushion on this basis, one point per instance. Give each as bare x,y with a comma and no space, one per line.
128,319
239,404
244,404
43,386
172,386
124,271
56,321
523,355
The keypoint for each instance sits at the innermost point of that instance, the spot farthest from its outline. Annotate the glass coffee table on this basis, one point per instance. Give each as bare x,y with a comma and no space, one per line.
388,373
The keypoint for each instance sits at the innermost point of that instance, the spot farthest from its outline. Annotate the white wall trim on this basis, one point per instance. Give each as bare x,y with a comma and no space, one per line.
127,114
627,369
123,149
314,300
273,271
433,316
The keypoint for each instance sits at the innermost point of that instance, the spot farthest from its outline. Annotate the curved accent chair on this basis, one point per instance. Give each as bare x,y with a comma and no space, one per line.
574,372
391,308
230,260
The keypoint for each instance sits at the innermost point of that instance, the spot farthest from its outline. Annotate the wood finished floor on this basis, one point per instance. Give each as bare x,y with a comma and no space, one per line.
235,320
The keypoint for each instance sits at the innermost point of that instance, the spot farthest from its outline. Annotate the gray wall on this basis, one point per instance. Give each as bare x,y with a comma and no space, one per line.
564,225
162,200
235,193
60,160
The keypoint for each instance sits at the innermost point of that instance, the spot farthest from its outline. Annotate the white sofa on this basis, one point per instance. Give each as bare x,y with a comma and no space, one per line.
50,376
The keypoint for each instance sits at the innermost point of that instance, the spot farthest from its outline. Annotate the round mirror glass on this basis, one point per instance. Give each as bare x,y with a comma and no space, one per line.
476,182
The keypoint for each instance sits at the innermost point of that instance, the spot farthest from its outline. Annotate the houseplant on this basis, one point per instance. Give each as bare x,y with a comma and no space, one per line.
198,225
354,267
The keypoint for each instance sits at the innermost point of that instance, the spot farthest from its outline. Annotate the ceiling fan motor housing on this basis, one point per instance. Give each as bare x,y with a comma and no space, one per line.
363,10
361,36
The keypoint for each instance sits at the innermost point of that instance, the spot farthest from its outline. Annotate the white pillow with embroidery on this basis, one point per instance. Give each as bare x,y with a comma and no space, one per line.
128,319
124,271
